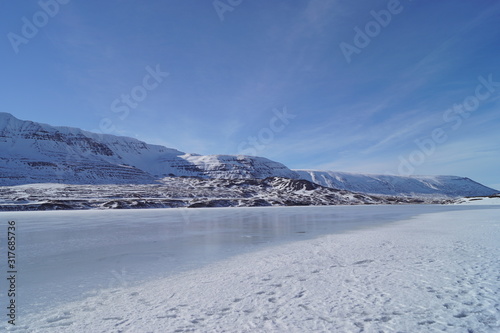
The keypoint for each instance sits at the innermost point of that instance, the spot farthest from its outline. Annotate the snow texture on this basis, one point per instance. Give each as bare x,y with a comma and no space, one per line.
490,200
31,152
39,153
434,273
451,186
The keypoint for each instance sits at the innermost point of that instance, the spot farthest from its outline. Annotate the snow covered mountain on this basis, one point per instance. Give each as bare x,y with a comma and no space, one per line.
38,153
398,185
32,152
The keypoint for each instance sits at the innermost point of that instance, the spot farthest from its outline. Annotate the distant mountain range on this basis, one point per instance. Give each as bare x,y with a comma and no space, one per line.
32,152
415,186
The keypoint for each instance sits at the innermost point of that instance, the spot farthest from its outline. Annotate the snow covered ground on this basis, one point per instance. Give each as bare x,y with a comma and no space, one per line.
437,271
491,200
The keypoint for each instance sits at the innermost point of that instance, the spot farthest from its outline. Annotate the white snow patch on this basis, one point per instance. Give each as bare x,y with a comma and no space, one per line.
493,200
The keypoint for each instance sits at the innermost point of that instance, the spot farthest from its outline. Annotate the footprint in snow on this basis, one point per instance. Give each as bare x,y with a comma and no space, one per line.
112,318
65,315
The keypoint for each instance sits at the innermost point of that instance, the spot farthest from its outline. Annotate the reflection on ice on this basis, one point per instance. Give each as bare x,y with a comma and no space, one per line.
64,255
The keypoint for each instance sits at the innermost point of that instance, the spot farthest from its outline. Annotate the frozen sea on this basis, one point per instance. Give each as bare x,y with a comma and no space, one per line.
62,255
69,256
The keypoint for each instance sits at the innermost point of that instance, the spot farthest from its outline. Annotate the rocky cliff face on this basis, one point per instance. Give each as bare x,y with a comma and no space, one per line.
38,153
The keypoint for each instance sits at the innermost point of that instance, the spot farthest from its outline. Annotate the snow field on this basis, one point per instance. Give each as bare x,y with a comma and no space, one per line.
489,201
434,273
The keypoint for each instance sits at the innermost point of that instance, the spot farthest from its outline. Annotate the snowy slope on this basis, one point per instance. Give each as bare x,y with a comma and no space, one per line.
36,153
397,185
33,152
239,166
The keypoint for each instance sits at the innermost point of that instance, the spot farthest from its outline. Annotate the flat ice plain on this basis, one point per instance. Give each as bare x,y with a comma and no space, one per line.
292,269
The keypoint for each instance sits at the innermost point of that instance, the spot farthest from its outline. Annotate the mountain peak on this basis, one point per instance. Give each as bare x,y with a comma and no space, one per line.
6,118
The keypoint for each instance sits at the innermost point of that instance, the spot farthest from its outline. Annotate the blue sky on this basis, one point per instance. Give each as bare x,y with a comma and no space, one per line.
399,87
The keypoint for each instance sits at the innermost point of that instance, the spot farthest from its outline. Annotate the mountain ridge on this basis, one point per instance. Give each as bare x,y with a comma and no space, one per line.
32,152
379,184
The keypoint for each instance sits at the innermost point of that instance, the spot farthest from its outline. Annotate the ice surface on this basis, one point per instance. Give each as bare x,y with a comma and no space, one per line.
66,254
218,269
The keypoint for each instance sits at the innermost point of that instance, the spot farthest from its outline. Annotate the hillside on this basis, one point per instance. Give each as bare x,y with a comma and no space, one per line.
33,153
452,186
